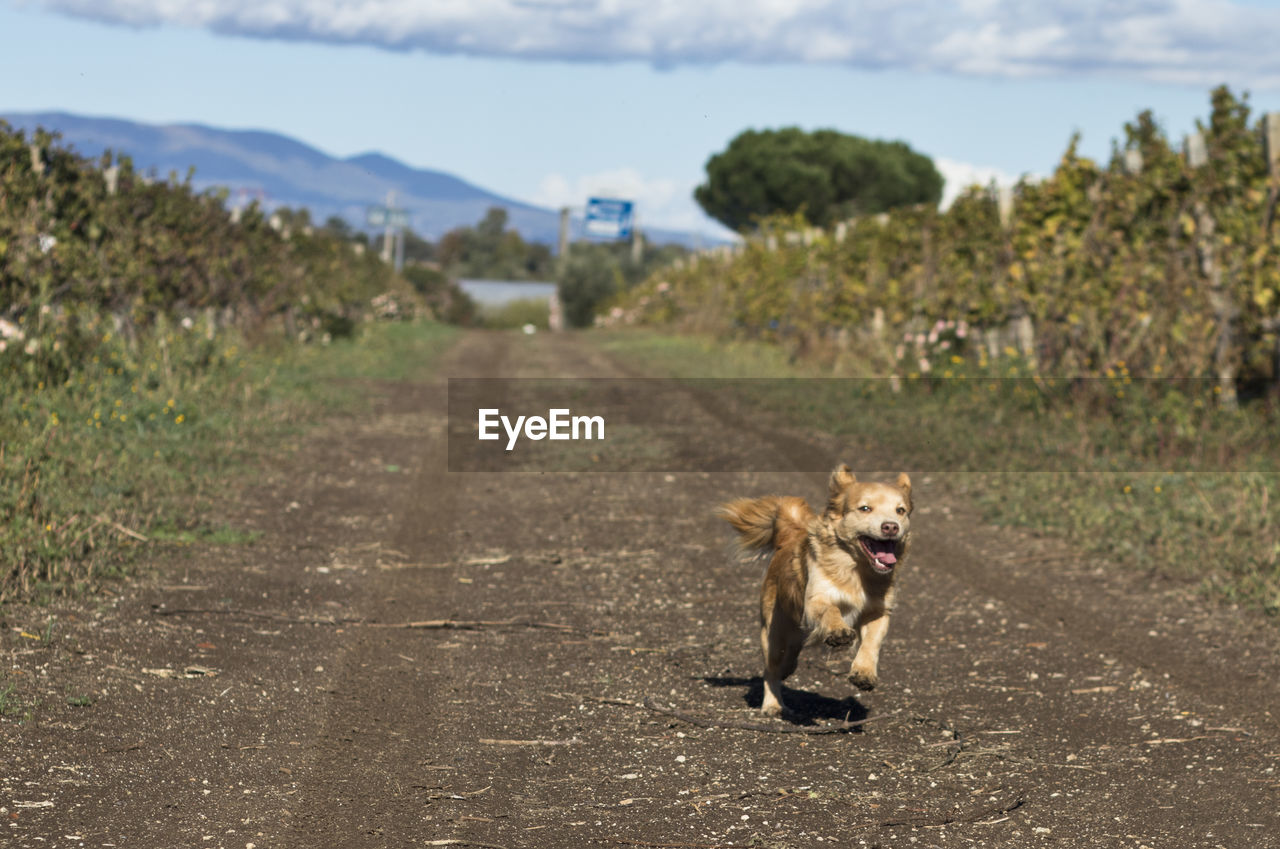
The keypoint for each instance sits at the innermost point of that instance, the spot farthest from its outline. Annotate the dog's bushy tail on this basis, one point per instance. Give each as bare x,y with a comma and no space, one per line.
763,522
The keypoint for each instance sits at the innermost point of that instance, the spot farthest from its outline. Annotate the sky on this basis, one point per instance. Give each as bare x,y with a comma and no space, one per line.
551,101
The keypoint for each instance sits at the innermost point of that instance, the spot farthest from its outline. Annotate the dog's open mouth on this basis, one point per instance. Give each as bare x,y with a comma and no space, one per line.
883,552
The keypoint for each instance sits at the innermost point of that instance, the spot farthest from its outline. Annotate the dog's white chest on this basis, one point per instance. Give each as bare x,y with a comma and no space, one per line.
821,591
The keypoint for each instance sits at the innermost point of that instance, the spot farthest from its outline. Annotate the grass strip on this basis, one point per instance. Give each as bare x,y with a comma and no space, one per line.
125,450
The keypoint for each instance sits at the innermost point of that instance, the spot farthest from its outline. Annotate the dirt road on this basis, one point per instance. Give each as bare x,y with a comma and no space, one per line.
270,694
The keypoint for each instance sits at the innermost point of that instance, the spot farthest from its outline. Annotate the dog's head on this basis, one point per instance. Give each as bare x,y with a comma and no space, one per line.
871,520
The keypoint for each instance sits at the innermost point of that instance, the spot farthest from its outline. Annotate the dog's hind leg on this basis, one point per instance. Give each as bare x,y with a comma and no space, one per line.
864,673
781,644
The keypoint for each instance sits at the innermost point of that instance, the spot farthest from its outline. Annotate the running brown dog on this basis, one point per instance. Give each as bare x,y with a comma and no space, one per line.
830,577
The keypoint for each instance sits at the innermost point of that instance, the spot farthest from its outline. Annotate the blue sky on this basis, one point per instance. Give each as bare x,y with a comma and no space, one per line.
550,100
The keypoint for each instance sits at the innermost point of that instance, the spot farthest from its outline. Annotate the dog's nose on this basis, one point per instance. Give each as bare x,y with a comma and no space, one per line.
889,529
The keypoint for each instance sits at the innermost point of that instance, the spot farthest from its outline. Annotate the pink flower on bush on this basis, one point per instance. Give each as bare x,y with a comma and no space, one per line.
9,330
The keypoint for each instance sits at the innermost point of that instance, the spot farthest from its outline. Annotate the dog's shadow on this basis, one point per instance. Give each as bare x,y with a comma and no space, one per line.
802,706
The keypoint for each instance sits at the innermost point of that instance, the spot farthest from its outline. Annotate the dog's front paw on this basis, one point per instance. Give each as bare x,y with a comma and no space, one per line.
865,681
841,639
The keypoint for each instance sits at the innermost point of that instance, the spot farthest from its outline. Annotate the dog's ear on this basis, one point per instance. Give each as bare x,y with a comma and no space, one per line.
841,479
904,483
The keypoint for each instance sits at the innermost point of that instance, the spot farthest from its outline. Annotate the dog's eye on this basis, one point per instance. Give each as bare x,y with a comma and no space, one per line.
902,511
864,509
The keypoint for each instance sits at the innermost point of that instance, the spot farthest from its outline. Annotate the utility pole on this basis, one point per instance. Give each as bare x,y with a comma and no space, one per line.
564,234
386,239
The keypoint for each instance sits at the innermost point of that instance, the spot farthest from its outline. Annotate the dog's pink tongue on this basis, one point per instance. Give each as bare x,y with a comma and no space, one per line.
882,551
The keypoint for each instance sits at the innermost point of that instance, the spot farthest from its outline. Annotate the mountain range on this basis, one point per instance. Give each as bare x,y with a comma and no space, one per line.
278,170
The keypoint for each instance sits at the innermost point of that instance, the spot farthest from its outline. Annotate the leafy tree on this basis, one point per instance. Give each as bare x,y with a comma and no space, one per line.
595,272
337,226
825,174
447,301
418,249
588,277
490,250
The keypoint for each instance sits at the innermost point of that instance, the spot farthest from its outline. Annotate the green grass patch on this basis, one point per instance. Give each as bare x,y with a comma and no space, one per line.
126,447
393,351
220,535
1137,474
13,704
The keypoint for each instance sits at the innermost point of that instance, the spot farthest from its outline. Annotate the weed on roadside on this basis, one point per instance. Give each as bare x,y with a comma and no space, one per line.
122,451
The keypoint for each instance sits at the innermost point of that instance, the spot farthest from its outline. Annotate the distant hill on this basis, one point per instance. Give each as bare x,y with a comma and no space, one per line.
281,171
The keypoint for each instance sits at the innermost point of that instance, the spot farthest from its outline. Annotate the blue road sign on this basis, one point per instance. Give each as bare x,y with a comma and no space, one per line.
381,216
609,218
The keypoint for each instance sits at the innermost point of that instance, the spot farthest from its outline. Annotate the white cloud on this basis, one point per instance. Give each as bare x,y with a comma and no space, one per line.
961,175
659,201
1185,41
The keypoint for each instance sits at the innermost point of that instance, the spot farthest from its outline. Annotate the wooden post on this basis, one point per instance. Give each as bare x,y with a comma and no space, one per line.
992,339
1195,150
555,313
1224,309
1025,332
1271,142
1133,161
1271,149
1020,326
1004,205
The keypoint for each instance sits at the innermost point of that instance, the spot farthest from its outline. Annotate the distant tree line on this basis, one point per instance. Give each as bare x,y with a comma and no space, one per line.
593,273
